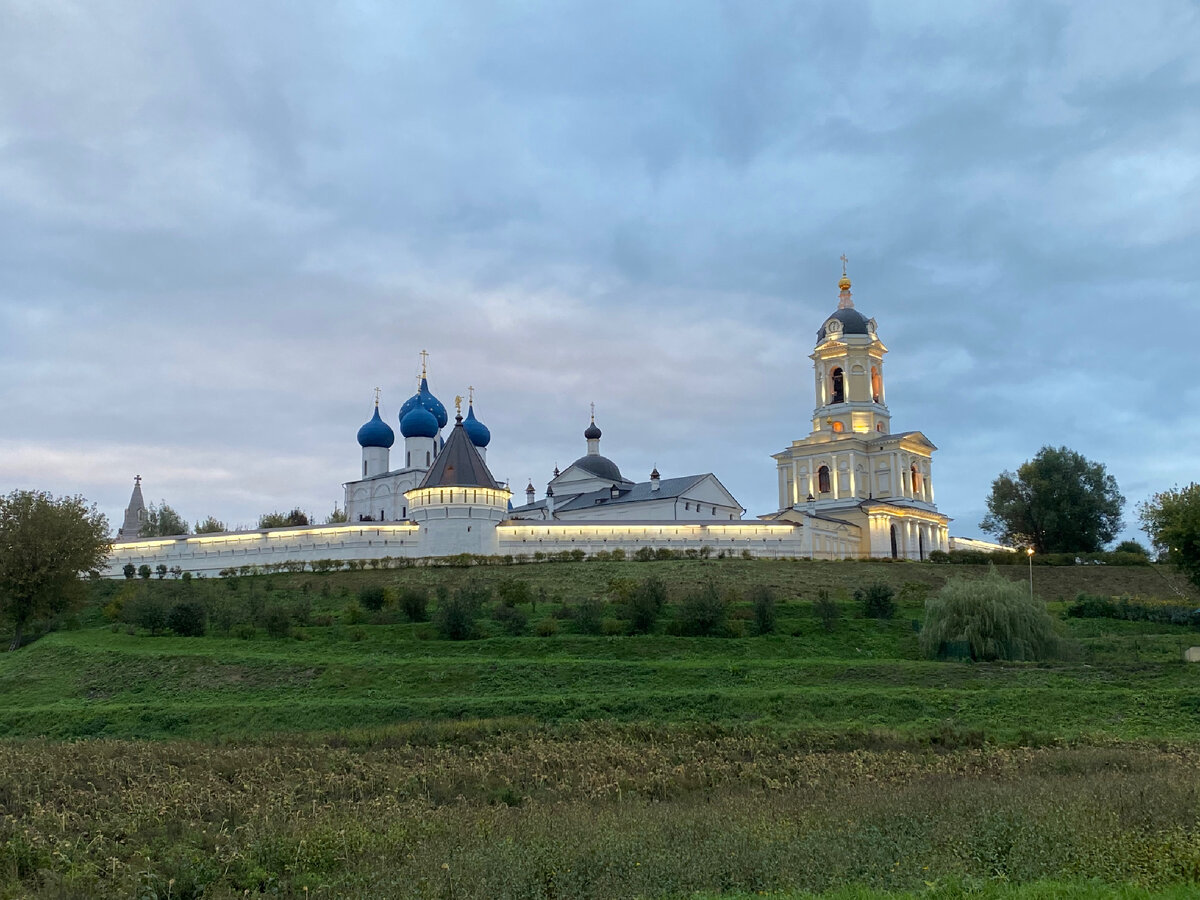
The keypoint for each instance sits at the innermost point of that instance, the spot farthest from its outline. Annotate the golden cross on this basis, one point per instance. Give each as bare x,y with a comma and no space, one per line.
471,394
377,397
424,357
844,261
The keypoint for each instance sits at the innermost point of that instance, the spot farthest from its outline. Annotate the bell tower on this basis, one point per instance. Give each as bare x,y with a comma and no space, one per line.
848,369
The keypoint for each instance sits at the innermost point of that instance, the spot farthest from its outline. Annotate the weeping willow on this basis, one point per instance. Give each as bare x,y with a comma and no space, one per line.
991,618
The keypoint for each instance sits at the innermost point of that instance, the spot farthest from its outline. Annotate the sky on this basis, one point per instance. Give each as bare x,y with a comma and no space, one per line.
223,224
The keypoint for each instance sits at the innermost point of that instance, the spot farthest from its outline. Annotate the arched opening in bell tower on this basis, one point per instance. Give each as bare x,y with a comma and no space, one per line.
823,480
839,390
876,385
916,481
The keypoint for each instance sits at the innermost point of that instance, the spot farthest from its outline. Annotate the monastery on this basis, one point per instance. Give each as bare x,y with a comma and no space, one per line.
851,488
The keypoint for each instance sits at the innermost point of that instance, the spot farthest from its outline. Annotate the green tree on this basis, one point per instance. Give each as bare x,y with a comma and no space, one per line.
46,543
1172,521
990,618
335,517
163,521
1057,502
211,525
283,520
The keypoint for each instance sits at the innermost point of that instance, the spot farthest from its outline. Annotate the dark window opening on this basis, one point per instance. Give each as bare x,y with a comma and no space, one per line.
839,391
823,480
895,547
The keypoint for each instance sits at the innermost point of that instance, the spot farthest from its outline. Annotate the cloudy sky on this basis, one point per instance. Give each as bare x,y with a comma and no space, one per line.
222,224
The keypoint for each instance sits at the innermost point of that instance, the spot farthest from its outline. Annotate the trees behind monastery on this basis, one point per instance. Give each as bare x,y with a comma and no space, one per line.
1172,520
1057,502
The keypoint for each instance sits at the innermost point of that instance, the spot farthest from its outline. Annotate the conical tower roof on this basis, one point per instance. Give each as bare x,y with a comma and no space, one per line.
458,464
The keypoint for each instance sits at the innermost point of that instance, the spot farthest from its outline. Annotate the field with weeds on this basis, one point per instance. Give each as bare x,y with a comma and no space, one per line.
754,733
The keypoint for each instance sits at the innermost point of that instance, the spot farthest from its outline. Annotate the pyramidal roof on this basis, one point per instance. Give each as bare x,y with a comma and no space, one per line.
458,464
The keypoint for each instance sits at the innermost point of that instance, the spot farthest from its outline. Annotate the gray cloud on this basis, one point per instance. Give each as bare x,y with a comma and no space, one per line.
221,225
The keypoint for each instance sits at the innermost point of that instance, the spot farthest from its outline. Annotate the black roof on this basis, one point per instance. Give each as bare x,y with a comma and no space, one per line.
458,464
853,322
600,466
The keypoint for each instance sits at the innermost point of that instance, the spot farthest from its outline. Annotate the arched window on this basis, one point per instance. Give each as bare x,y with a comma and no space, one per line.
876,385
838,427
895,545
921,544
426,457
839,391
364,468
823,479
916,480
879,426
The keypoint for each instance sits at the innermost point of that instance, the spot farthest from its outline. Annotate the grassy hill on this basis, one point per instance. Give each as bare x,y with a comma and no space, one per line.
358,754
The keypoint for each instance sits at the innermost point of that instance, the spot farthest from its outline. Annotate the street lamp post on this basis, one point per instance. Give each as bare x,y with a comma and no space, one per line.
1029,553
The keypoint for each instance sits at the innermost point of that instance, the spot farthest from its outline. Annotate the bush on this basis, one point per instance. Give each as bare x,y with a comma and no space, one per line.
146,611
512,591
414,604
514,621
826,609
1087,606
372,597
546,628
646,603
877,601
1132,547
991,618
455,616
763,598
353,614
611,627
187,619
703,612
144,572
590,616
129,570
277,621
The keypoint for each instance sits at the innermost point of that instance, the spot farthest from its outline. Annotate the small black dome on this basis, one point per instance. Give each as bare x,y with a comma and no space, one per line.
600,466
593,432
853,322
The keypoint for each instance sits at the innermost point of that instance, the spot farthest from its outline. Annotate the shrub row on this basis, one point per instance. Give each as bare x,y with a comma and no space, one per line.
1088,606
1015,558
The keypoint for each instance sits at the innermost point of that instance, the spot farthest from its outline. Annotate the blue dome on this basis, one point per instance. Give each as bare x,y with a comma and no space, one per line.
376,433
419,422
478,432
424,398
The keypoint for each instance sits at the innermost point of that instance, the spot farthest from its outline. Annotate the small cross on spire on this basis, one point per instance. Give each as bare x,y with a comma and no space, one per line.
593,406
424,358
471,394
137,479
844,261
376,398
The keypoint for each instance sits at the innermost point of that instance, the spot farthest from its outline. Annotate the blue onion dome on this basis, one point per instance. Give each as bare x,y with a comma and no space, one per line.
424,397
376,433
419,422
593,432
479,433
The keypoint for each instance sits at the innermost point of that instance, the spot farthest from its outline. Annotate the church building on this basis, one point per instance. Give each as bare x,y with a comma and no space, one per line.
851,488
875,486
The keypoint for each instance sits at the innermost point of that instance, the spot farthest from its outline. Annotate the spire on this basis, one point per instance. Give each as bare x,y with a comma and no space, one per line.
844,301
135,513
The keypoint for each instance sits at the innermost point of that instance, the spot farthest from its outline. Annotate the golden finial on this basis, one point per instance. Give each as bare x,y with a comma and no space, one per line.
844,281
424,357
458,403
377,398
471,394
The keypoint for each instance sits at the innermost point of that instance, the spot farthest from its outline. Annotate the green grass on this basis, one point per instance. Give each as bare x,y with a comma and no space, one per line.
374,759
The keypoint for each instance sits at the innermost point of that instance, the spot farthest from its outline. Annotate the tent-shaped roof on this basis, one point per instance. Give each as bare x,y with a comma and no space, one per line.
458,464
